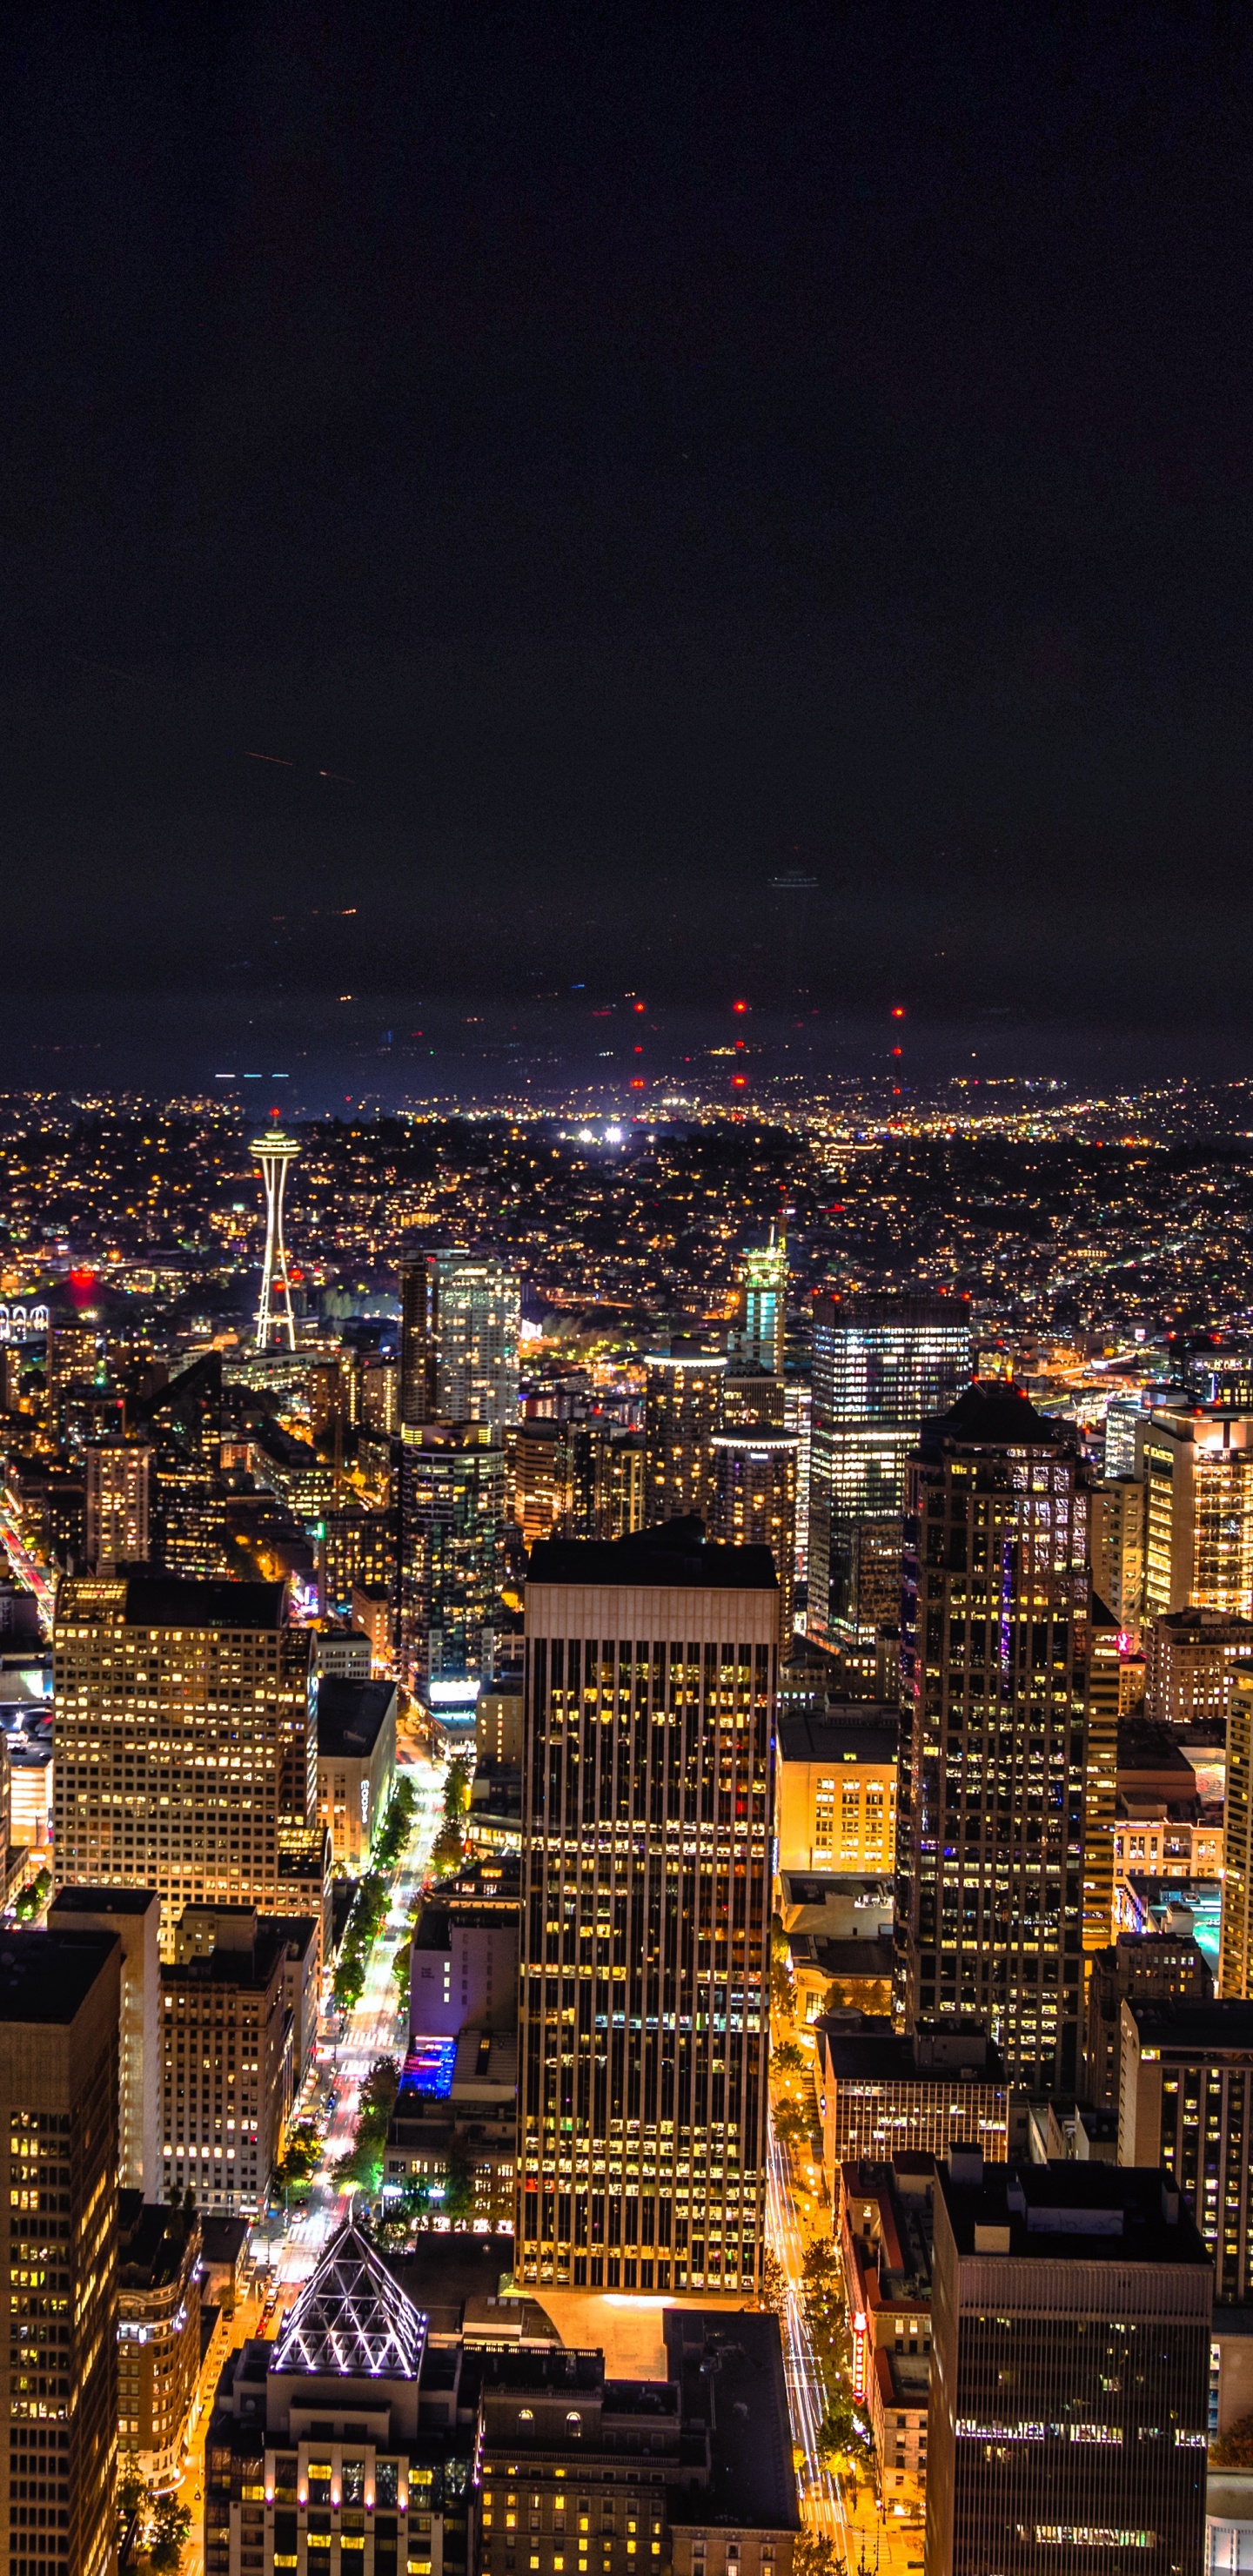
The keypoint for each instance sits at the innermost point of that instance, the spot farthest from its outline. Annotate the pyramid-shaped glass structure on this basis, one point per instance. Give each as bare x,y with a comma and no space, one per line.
352,2320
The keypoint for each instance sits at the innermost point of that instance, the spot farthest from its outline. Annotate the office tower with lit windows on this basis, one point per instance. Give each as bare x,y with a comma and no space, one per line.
1118,1549
1189,1659
995,1644
1100,1787
1197,1468
73,1361
881,1365
58,2253
1070,2369
182,1425
682,1410
452,1560
754,1502
1185,2103
1236,1972
117,1477
132,1916
185,1744
761,1333
460,1324
646,1840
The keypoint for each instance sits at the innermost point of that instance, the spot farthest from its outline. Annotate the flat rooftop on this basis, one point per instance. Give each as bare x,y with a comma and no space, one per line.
101,1900
730,2375
865,1732
1063,2213
675,1553
1200,2028
48,1976
351,1715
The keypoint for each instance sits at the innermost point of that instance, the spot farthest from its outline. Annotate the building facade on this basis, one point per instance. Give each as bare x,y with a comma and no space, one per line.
227,2052
993,1774
1197,1467
647,1817
1160,1967
883,2093
881,1365
59,2000
356,1764
452,1523
461,1315
1070,2362
133,1916
682,1409
1186,2103
185,1742
117,1478
158,2334
836,1790
754,1503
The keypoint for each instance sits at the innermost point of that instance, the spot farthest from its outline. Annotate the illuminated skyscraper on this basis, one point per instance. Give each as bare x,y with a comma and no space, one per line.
185,1744
683,1391
881,1365
58,2253
1197,1466
452,1525
275,1321
460,1322
646,1832
754,1502
763,1304
118,1476
995,1645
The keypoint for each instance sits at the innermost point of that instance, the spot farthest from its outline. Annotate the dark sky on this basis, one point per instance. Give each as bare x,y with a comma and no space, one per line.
637,452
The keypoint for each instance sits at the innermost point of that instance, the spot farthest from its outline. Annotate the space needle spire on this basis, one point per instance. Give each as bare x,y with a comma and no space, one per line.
275,1320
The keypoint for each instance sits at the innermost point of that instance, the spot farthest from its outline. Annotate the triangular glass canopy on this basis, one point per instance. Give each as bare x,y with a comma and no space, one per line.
352,2320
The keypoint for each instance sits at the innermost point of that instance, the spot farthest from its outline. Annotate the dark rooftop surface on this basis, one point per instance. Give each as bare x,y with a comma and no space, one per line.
867,1733
221,2237
729,2368
1000,1418
162,1601
251,1967
101,1900
1044,2208
151,2243
445,2271
881,2055
351,1714
1196,2026
676,1552
47,1976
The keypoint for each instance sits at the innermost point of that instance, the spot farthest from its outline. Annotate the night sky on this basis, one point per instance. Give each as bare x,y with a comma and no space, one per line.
615,457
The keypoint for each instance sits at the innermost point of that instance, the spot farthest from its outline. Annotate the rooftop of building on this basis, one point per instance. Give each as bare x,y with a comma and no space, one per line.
250,1965
47,1977
152,2243
222,2238
995,1415
1220,1624
729,2370
1067,2213
166,1601
102,1900
352,2319
1204,2026
351,1716
676,1552
851,1731
941,2050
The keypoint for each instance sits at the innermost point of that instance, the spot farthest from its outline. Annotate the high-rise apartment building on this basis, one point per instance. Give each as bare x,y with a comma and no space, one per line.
647,1817
185,1742
182,1423
1185,2103
1100,1788
226,2083
133,1916
754,1502
682,1410
1118,1549
762,1323
1070,2364
881,1365
994,1678
1123,1417
452,1525
117,1478
460,1322
58,2253
1197,1467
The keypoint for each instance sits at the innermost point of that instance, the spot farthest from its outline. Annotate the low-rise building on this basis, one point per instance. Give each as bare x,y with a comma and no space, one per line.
1189,1657
1186,2103
158,2333
356,1764
451,2152
883,2094
839,1936
464,1970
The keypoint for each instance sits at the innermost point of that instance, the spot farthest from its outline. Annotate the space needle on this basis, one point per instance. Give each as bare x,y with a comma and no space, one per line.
275,1321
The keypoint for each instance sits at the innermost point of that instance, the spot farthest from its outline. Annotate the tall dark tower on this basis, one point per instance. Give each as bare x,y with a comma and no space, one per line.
994,1680
417,1343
